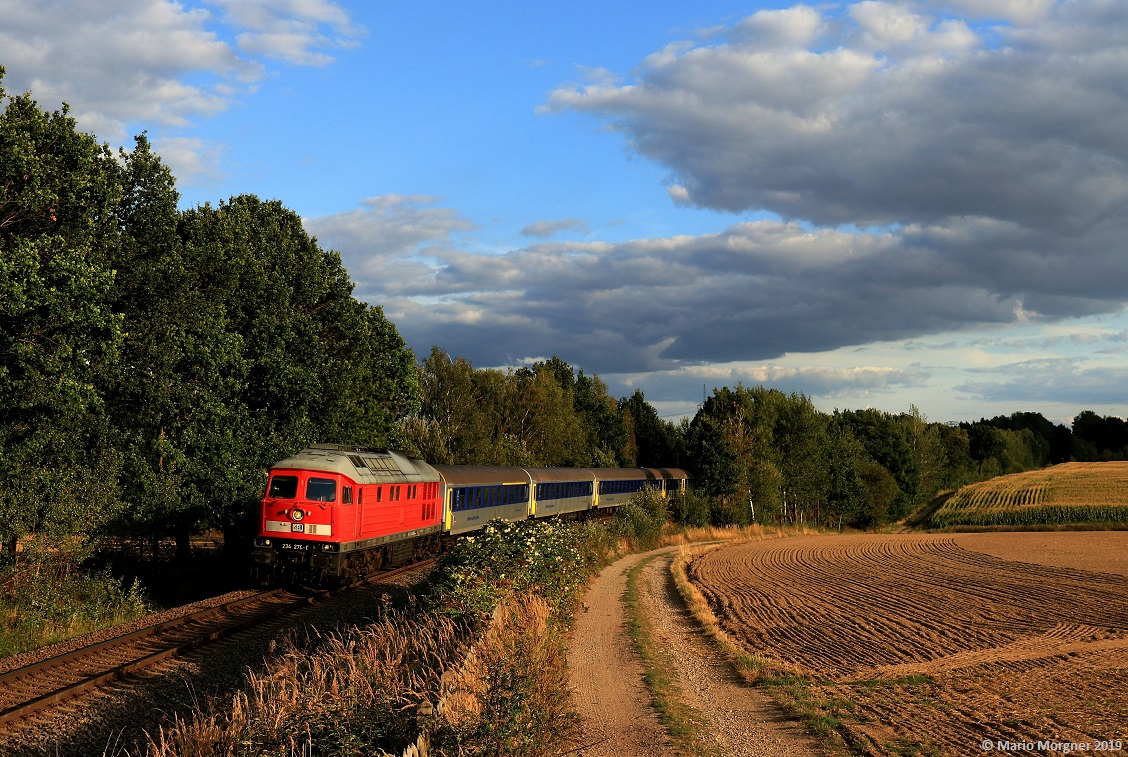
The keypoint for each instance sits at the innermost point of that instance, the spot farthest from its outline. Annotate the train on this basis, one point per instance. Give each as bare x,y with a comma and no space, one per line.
335,513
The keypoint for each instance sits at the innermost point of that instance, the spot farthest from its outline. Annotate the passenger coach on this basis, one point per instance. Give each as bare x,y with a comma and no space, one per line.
334,511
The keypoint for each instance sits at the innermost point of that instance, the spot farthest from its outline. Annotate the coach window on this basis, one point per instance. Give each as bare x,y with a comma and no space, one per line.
283,487
321,490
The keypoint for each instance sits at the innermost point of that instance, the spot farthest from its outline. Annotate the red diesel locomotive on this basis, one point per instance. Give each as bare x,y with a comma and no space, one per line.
338,512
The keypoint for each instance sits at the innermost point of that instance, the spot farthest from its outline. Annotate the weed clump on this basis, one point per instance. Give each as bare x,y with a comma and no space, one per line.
50,598
641,520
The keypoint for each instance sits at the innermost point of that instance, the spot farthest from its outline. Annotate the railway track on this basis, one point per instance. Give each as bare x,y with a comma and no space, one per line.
46,684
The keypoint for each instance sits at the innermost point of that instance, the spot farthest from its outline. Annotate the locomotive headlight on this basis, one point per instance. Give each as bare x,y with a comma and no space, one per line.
297,513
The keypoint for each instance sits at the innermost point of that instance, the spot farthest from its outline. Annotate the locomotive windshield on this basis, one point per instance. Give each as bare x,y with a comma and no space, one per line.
283,487
321,490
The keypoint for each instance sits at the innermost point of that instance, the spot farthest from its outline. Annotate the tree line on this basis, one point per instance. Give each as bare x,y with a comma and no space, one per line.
154,362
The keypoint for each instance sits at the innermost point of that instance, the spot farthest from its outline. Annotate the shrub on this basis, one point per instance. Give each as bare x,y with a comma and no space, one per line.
507,557
641,519
49,598
689,509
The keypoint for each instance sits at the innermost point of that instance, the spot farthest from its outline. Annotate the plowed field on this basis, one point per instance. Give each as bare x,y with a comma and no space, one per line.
928,644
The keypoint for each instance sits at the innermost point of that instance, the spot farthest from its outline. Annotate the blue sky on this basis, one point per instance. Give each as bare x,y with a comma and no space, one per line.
879,204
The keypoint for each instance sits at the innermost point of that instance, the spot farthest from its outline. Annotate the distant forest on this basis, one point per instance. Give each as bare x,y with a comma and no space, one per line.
154,362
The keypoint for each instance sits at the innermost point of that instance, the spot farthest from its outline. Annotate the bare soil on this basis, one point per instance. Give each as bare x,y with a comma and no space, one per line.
930,644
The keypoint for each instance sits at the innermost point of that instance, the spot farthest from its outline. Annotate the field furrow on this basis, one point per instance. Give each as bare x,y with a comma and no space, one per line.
932,641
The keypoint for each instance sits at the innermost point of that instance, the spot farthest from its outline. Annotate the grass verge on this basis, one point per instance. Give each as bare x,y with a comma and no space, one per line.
684,724
798,693
47,600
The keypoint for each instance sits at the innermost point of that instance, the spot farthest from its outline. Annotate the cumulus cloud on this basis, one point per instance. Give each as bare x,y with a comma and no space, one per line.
933,174
753,292
546,229
157,62
942,172
297,31
389,243
886,114
812,380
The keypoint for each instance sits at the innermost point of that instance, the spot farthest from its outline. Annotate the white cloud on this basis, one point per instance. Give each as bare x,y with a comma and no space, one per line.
889,115
157,63
192,160
389,242
789,27
545,229
297,31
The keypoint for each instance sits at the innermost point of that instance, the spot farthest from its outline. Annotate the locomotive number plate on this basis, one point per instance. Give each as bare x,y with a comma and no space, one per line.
297,528
295,547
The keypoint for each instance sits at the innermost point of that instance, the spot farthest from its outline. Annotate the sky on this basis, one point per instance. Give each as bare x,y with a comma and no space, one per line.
878,204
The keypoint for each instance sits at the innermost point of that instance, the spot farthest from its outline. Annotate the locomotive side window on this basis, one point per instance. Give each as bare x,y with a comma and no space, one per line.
283,487
321,490
346,495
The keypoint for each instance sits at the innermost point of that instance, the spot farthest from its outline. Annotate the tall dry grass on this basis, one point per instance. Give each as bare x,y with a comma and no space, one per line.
511,695
356,694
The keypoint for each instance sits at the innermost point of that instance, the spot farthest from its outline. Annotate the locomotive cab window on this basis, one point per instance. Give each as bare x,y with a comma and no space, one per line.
321,490
283,487
346,495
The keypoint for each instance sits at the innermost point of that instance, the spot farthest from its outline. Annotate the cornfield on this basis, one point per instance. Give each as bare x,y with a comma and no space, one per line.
1071,493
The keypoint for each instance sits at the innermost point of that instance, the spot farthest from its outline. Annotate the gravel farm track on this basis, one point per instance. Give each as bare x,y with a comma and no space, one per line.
931,644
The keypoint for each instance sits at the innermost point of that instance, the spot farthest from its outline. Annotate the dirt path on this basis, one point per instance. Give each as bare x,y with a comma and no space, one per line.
615,705
607,677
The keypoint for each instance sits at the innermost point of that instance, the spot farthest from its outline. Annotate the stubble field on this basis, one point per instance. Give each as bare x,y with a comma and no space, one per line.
931,644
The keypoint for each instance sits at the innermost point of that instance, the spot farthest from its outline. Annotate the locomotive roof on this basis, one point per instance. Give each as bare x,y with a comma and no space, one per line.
363,465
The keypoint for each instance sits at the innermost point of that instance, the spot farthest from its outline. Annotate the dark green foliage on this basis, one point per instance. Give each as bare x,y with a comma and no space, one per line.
889,443
689,509
175,354
1048,444
539,416
716,465
1097,438
641,519
58,192
506,558
657,441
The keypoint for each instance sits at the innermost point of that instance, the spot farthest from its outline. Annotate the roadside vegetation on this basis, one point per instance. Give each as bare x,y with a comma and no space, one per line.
52,598
475,665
